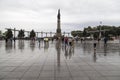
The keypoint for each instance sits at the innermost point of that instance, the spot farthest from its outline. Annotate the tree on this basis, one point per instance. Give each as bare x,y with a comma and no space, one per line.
118,31
9,34
106,31
85,34
0,32
76,33
4,34
32,34
21,34
89,28
73,33
79,33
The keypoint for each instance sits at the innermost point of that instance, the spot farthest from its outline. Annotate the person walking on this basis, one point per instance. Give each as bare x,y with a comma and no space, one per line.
105,41
94,44
66,41
70,42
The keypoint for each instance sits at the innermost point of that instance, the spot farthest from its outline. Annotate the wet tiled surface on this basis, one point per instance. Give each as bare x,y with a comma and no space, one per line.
52,61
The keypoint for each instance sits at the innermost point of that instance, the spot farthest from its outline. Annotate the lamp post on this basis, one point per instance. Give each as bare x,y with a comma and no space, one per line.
41,34
100,30
14,32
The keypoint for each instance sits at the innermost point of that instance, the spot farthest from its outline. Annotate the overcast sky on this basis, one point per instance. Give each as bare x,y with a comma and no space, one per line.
42,14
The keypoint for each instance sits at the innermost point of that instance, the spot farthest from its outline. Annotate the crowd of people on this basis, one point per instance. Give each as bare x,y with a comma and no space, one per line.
105,42
68,41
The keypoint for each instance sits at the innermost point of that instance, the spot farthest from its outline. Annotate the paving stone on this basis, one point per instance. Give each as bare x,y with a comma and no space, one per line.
31,62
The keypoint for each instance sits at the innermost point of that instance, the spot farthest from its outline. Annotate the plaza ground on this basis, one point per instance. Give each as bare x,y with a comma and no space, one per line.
52,61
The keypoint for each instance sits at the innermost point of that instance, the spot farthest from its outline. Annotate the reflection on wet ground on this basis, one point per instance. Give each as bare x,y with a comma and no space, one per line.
26,60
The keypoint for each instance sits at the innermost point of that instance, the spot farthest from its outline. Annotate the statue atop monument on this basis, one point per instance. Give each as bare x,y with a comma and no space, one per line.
58,16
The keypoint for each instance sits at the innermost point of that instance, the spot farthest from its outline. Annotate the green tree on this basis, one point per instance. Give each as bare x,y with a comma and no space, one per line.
32,34
89,28
85,32
9,34
0,32
118,31
106,30
76,33
4,34
73,33
21,34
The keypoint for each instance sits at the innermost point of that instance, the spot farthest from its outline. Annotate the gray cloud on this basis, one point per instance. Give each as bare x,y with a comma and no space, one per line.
83,12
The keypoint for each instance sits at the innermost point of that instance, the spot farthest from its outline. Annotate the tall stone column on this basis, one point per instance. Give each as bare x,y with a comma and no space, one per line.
58,30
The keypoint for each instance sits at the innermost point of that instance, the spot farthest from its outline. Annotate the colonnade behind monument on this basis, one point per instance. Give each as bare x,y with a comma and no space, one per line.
40,34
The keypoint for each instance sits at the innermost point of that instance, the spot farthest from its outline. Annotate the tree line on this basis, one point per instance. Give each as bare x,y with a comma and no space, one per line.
106,31
8,34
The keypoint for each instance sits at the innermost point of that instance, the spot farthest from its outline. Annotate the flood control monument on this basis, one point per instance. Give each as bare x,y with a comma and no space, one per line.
58,30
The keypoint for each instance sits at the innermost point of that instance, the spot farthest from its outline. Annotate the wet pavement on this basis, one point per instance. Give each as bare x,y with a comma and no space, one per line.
52,61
